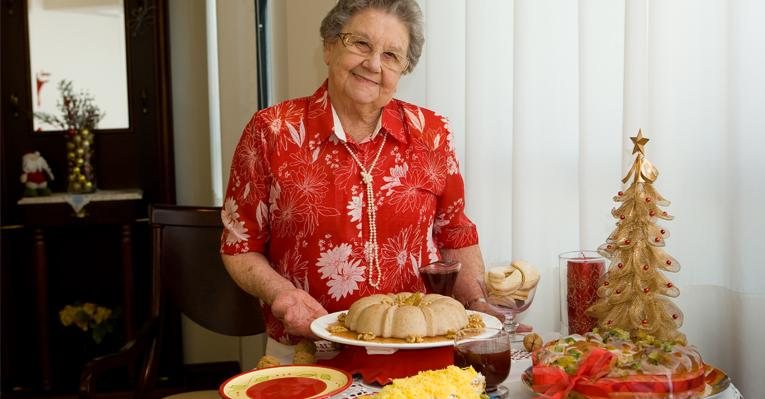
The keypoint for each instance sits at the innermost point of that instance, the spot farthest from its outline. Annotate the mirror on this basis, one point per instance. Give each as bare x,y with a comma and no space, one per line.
82,41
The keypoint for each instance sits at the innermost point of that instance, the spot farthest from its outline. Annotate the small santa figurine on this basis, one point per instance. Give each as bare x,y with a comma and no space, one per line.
36,174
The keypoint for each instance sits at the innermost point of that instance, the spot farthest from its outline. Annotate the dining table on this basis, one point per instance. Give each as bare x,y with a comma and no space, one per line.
517,389
516,383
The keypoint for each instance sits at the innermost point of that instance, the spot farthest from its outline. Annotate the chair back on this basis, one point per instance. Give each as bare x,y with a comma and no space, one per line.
187,264
187,273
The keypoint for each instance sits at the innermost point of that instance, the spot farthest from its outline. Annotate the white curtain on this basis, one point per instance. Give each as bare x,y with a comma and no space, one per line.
543,107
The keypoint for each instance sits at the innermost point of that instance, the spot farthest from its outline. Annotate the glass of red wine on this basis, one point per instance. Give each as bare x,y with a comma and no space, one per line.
439,277
488,351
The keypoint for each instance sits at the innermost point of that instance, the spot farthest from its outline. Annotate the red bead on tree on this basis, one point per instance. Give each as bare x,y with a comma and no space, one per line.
620,193
644,322
645,267
646,290
620,265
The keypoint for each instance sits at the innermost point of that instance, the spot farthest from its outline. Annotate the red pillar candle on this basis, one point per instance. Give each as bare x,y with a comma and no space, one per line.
582,273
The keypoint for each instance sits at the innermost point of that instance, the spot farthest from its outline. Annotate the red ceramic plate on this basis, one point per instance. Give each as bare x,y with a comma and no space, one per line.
286,382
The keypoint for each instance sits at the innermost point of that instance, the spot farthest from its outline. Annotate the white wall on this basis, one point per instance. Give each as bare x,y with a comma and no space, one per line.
230,107
188,55
298,64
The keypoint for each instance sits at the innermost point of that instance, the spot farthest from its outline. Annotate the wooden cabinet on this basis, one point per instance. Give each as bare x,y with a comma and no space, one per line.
114,212
51,255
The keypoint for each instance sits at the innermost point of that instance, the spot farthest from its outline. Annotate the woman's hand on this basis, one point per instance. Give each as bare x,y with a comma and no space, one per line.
296,310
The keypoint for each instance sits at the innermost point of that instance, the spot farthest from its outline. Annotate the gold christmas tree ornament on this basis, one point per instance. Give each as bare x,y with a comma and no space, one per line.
634,293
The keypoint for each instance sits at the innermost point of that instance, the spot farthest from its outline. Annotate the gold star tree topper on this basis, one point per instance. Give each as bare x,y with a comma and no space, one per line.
639,141
642,169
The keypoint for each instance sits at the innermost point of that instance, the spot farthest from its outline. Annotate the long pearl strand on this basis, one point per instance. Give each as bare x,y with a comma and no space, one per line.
366,177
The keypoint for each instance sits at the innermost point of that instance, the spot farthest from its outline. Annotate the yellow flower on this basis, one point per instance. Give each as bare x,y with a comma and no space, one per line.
102,314
89,308
66,315
88,317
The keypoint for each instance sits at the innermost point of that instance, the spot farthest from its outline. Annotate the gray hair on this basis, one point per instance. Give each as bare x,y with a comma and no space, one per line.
407,11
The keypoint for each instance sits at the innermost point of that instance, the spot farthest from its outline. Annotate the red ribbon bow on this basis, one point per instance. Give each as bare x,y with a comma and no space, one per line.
556,383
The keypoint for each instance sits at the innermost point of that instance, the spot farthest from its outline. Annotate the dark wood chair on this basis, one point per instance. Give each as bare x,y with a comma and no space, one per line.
188,275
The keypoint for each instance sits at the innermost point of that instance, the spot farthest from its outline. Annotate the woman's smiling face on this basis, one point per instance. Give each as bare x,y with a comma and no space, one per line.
356,80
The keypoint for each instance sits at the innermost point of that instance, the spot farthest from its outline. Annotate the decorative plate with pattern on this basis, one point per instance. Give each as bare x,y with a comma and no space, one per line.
286,382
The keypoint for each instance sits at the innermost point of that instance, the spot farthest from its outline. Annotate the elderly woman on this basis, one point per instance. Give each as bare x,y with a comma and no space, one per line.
347,192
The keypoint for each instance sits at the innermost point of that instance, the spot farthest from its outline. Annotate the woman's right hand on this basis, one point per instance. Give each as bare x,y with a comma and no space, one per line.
296,309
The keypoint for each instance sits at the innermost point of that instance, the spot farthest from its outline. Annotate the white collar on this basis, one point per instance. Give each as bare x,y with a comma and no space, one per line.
340,132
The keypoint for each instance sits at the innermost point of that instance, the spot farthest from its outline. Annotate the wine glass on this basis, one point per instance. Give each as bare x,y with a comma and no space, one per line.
511,305
488,351
439,277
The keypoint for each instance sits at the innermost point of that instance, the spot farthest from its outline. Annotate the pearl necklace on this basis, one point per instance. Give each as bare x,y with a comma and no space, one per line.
366,177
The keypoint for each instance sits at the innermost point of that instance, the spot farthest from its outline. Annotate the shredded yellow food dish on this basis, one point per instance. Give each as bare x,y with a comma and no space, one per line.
449,383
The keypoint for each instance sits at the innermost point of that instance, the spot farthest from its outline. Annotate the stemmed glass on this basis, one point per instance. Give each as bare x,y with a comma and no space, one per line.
488,351
510,306
439,277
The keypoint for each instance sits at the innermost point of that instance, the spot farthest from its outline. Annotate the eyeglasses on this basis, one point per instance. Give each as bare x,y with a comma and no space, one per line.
360,45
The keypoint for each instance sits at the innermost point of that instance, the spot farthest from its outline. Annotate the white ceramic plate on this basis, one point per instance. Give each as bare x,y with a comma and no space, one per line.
286,382
319,328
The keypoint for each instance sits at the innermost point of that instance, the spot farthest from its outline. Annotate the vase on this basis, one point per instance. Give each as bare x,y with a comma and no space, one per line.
580,274
79,157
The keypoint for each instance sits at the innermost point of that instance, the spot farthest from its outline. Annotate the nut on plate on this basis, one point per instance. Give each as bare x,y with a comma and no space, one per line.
532,342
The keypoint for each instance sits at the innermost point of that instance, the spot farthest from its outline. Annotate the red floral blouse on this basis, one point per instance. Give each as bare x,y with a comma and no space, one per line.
295,194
